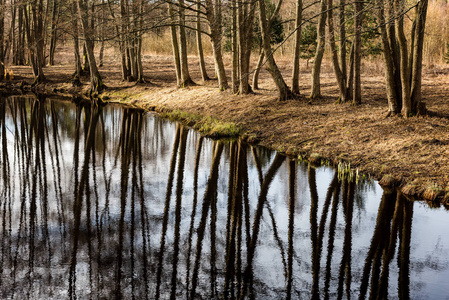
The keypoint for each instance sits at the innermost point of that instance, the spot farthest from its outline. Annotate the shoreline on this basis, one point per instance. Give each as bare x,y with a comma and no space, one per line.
409,154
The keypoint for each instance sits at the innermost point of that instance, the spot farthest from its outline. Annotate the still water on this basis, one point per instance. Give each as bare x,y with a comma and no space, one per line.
101,203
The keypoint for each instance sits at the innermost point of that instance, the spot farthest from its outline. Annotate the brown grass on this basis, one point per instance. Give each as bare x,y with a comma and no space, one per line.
414,150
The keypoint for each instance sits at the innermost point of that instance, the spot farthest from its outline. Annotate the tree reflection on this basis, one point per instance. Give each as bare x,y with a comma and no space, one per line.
101,203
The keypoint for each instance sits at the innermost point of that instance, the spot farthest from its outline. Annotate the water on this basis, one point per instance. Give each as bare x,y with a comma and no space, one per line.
97,203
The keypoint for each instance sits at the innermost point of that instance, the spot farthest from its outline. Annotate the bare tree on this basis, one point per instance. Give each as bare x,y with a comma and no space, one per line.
97,84
404,96
284,91
199,43
2,33
295,74
358,16
186,80
316,70
214,17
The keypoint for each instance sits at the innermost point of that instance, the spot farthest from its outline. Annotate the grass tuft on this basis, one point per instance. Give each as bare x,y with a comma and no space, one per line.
432,192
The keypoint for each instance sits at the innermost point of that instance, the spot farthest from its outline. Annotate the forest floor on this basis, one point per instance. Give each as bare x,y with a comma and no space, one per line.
413,152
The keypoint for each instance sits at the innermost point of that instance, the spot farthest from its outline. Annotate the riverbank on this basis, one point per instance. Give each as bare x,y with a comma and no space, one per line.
411,153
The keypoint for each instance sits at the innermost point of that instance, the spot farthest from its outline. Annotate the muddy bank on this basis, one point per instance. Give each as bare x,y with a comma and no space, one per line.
412,154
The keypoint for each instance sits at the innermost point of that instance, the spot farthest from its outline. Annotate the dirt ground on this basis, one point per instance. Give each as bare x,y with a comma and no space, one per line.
413,153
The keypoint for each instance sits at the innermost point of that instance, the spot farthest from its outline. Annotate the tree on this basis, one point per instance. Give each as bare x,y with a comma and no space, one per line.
283,90
2,32
297,54
199,43
34,29
96,82
358,16
214,17
276,31
54,31
404,95
344,80
321,32
78,68
185,75
245,23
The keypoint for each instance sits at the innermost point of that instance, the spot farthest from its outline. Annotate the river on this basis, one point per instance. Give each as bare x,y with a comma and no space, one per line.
111,202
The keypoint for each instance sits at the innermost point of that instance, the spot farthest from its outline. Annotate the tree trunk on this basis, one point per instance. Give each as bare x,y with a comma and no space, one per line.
405,73
393,100
78,68
85,59
174,41
2,32
34,33
97,84
341,80
295,75
199,45
342,25
245,22
54,26
186,80
102,33
357,95
316,70
421,15
284,91
140,78
257,70
235,49
213,14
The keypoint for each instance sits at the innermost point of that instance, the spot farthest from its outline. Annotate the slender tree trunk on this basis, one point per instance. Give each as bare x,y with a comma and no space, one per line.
175,47
342,23
257,70
357,95
421,15
235,49
13,37
78,68
199,45
389,61
20,49
316,70
54,26
341,81
97,84
213,14
405,71
186,80
102,33
284,91
295,75
245,21
140,76
85,59
34,33
2,33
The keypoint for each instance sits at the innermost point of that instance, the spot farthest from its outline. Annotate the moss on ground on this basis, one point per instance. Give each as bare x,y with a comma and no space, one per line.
207,126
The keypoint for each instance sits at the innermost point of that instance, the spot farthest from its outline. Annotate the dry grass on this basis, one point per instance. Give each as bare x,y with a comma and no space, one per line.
412,149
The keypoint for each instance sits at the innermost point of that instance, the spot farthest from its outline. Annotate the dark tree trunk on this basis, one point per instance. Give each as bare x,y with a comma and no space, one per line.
357,95
54,27
96,82
295,75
